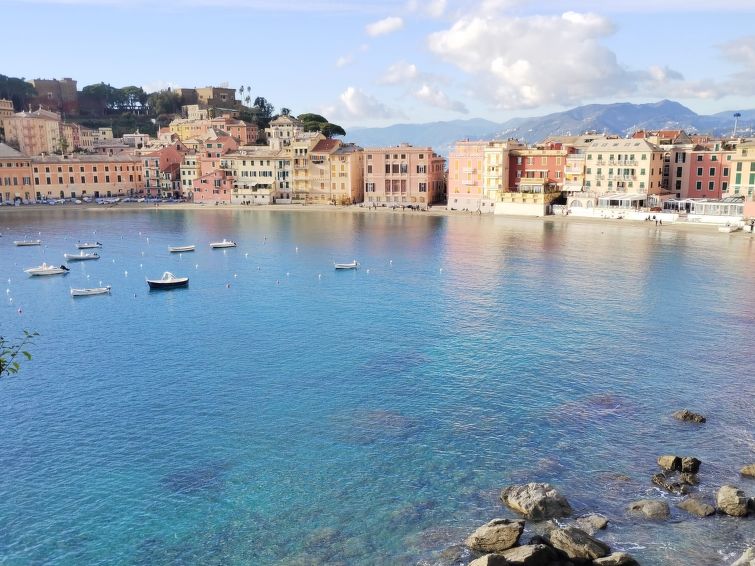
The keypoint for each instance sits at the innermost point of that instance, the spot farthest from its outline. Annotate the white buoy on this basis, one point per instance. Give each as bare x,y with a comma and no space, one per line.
390,261
113,261
7,291
125,273
196,266
297,249
246,254
87,276
141,266
368,271
319,275
287,274
441,270
142,253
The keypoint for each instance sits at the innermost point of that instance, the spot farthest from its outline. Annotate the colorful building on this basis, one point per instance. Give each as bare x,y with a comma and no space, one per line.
466,175
742,176
57,95
15,176
162,170
34,133
215,187
283,130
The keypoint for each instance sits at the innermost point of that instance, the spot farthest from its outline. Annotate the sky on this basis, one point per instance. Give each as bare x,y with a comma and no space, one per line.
378,62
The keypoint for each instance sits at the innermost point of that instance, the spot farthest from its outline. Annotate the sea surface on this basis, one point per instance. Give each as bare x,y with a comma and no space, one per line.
279,412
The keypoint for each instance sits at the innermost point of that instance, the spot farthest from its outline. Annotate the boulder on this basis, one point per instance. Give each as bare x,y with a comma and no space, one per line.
747,558
662,480
592,523
688,478
732,501
531,555
490,560
616,559
689,416
690,465
497,535
748,471
577,544
650,509
670,463
697,507
536,501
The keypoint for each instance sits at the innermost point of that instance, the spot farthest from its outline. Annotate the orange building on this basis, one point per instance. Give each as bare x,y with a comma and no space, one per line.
15,175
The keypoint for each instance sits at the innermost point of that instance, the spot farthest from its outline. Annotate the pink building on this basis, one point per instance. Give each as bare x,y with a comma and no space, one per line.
403,175
709,169
465,175
215,187
211,150
538,169
162,170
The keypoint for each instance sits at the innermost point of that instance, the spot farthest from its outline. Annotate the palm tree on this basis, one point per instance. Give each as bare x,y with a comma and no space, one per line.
248,99
241,91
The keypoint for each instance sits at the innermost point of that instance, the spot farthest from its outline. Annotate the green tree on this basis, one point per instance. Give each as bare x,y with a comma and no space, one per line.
10,351
17,90
329,130
164,102
317,123
265,111
285,111
132,98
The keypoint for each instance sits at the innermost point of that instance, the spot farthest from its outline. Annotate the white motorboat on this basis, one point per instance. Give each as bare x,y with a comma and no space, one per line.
168,281
729,228
28,242
92,291
45,269
224,244
353,265
179,249
81,256
88,245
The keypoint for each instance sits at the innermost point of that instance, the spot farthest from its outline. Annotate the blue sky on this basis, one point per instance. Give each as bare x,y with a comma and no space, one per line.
381,62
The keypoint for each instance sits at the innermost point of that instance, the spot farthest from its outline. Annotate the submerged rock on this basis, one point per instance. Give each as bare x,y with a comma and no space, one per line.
490,560
650,509
732,501
592,523
531,555
497,535
616,559
577,544
536,501
748,471
747,558
696,507
689,416
662,480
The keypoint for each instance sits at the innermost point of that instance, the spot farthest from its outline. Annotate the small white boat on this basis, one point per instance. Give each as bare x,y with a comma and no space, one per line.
179,249
92,291
88,245
353,265
28,242
168,281
45,269
224,244
729,228
81,256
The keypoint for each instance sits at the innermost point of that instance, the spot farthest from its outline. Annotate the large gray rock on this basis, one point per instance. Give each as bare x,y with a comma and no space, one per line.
536,501
616,559
495,536
696,507
732,501
689,416
650,509
490,560
747,558
670,463
531,555
748,471
577,544
592,523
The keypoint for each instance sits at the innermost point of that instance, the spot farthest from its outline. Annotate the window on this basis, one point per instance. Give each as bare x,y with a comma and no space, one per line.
369,187
530,160
712,172
714,158
699,171
644,156
678,171
369,169
421,168
83,179
711,185
699,157
423,187
387,168
519,160
726,171
699,185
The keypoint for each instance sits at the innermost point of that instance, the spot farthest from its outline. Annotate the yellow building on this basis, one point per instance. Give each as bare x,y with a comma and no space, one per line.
260,175
346,174
742,176
34,133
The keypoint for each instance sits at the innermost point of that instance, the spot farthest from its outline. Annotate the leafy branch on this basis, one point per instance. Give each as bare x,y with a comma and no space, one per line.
11,351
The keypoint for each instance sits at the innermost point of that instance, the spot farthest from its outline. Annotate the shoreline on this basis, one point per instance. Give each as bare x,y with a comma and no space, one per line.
438,211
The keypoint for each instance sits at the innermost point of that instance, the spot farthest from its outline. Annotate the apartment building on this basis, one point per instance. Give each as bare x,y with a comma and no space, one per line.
403,175
15,175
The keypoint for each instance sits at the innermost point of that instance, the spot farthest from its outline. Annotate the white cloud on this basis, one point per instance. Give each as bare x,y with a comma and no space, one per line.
439,99
384,26
356,104
344,60
432,8
398,73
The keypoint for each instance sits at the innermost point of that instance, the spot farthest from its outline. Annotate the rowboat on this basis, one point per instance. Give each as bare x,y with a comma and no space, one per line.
168,281
28,242
224,244
353,265
92,291
179,249
45,269
81,256
88,245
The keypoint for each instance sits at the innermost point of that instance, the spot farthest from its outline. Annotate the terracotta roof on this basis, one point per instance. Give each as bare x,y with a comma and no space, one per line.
325,146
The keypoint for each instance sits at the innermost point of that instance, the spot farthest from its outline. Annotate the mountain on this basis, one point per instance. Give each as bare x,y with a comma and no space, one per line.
620,118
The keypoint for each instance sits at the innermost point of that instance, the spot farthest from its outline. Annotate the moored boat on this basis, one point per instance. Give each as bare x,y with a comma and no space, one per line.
224,244
45,269
88,245
90,291
729,228
179,249
168,281
353,265
81,256
28,242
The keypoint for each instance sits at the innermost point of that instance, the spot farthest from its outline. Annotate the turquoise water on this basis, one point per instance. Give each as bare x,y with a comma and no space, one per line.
301,416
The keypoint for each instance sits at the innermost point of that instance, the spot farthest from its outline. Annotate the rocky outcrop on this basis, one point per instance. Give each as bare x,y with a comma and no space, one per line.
536,501
531,555
670,463
495,536
747,558
490,560
696,507
690,465
650,509
577,544
592,523
689,416
616,559
663,480
732,501
748,471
